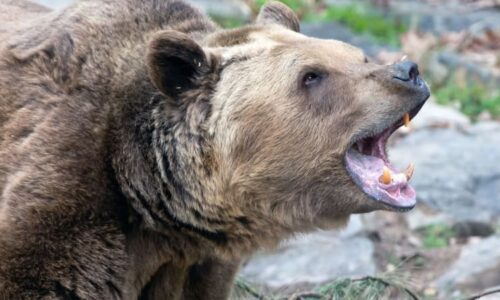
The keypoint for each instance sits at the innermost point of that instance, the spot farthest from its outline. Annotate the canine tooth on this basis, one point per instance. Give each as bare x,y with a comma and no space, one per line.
385,178
406,119
409,171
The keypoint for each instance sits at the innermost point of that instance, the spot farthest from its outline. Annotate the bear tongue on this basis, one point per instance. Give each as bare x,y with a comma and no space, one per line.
379,179
372,168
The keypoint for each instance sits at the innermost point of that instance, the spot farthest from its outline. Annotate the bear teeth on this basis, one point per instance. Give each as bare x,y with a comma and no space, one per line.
409,171
385,178
406,119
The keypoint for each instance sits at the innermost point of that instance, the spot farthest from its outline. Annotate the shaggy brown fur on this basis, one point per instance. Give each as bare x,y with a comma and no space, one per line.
144,152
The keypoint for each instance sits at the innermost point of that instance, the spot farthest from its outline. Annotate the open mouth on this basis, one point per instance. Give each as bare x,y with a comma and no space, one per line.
367,163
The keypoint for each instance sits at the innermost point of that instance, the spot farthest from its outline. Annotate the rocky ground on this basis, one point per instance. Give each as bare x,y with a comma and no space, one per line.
448,247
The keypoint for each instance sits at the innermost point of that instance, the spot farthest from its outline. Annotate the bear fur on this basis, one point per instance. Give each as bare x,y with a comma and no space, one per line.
145,152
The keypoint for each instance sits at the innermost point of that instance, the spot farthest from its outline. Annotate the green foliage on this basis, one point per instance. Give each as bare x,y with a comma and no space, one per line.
362,19
227,22
471,100
300,7
295,5
369,287
359,18
244,290
436,235
347,289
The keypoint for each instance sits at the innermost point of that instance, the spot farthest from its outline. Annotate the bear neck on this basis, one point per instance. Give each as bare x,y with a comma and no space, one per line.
166,168
159,165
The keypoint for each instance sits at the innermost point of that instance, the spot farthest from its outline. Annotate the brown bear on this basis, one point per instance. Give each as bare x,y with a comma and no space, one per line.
144,151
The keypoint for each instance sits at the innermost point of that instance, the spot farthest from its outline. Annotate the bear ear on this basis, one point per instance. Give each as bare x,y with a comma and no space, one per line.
278,13
174,60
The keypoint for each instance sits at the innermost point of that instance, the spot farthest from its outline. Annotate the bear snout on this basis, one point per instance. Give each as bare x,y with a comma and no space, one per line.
406,74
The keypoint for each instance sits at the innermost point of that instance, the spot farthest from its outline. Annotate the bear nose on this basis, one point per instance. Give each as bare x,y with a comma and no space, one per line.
406,75
406,71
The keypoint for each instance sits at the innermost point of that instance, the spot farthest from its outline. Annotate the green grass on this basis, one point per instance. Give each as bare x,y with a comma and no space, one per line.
472,101
436,236
227,22
363,20
300,7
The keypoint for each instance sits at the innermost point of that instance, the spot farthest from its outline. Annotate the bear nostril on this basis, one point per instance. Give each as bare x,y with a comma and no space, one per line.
406,71
413,73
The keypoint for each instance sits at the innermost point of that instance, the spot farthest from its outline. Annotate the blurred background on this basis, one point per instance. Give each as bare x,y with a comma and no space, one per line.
448,247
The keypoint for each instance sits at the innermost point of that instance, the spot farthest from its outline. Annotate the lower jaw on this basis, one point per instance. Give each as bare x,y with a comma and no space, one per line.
405,202
370,204
390,204
396,198
396,208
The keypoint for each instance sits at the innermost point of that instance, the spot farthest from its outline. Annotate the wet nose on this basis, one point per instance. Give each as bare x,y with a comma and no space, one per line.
406,75
406,71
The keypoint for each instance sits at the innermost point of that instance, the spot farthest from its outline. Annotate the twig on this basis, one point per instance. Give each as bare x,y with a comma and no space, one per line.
300,296
489,291
407,259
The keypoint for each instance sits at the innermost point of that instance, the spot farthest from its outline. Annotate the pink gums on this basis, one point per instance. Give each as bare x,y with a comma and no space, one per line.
365,169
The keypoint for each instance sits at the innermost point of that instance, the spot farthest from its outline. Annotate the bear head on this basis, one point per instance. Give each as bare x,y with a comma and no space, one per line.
277,132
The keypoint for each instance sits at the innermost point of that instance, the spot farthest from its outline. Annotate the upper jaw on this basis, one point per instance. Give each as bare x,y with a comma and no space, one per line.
367,164
394,125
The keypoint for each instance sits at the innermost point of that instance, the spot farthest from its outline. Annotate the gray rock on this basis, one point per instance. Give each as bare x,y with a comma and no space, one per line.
354,227
418,218
478,267
437,72
473,71
54,4
456,172
434,115
336,31
445,17
312,258
486,193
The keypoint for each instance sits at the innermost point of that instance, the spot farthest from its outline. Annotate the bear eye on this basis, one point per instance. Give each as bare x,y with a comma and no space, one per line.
311,78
